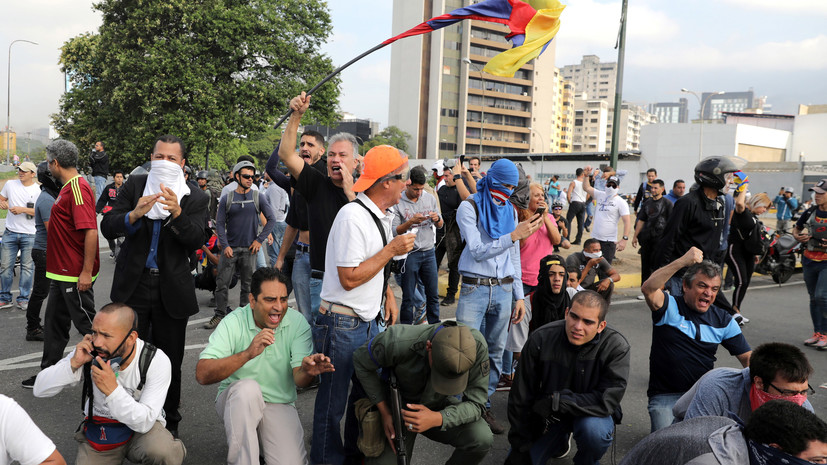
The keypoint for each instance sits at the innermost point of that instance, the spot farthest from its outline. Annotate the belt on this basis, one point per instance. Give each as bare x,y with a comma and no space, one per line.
487,281
302,247
315,274
153,271
336,308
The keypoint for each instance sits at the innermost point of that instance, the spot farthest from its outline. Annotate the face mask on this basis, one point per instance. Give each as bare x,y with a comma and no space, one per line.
611,191
758,397
593,255
500,197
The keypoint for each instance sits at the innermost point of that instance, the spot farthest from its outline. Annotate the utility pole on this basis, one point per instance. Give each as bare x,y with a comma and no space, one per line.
621,52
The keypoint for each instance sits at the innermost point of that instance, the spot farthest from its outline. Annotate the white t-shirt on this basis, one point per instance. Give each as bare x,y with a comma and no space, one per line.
279,201
140,413
353,239
20,438
19,195
607,215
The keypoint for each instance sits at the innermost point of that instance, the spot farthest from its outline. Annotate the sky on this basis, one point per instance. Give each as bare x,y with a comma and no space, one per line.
777,48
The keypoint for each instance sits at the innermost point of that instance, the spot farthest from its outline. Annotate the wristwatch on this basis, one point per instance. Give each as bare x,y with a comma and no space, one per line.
625,238
457,177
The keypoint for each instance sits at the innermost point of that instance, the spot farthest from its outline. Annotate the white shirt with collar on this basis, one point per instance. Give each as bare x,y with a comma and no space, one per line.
139,414
353,239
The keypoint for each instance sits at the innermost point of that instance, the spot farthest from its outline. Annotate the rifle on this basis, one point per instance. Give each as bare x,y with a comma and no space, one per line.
398,424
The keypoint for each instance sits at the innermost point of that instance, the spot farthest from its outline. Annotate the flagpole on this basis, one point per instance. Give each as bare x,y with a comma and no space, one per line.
621,53
330,76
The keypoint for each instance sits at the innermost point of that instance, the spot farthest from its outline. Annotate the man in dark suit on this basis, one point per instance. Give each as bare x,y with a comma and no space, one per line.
163,221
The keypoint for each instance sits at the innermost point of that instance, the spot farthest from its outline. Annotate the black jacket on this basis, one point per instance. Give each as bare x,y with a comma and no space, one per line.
179,238
589,380
696,220
99,162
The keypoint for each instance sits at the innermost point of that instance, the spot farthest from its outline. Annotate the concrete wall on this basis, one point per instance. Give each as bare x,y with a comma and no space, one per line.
810,138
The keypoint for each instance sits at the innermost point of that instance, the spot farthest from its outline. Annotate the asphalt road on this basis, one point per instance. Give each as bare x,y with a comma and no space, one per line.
776,313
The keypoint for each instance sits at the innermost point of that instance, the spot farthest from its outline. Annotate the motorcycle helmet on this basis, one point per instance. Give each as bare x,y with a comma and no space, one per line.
556,204
712,171
46,180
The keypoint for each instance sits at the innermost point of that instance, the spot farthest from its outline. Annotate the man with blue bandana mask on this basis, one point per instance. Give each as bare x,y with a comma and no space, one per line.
490,265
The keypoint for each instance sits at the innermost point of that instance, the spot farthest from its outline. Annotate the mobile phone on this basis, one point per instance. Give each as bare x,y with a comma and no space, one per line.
541,211
462,159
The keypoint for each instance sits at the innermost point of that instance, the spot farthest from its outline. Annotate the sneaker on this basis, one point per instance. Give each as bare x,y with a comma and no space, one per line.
448,300
495,426
29,382
641,297
5,305
213,322
812,340
421,316
739,319
34,334
505,383
23,305
822,342
565,451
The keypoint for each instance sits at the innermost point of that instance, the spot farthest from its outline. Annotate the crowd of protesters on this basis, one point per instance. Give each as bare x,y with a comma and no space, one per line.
332,226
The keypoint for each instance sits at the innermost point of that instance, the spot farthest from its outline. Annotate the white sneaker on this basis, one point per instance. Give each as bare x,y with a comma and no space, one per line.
641,297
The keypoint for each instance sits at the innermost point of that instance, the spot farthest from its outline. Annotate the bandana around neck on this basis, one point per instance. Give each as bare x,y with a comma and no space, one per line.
496,214
171,176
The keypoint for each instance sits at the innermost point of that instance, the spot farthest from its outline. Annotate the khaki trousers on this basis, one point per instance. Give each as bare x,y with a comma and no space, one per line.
156,446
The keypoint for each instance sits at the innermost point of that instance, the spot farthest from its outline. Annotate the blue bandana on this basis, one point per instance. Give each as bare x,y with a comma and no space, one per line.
496,214
762,454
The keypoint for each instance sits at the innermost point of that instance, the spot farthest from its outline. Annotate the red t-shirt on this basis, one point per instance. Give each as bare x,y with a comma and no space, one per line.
72,214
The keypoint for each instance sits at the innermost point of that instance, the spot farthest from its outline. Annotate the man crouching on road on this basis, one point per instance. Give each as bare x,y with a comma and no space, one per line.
457,358
571,378
128,381
260,353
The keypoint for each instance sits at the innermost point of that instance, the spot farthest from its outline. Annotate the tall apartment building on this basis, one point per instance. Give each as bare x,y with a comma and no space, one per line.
593,77
736,102
591,118
632,119
563,117
671,112
439,95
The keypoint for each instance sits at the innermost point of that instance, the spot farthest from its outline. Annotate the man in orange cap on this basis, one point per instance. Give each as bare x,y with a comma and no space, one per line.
360,247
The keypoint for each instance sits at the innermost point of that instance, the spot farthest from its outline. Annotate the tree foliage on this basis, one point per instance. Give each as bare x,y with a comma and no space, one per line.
210,71
392,136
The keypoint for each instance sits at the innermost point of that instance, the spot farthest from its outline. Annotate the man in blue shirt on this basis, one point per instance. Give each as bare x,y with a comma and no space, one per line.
686,332
785,205
678,188
490,265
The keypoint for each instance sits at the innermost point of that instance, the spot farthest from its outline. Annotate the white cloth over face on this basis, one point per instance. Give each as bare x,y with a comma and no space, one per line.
171,175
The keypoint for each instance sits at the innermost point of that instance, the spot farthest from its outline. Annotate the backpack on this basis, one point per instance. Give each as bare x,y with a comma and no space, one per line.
230,196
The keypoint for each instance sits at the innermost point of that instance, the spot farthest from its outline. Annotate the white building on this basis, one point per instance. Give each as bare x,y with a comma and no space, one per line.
593,77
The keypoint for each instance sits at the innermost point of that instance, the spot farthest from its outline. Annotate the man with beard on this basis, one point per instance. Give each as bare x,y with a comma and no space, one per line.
649,226
686,332
124,414
678,188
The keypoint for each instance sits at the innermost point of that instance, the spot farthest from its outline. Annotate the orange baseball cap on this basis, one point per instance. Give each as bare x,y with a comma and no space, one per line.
379,161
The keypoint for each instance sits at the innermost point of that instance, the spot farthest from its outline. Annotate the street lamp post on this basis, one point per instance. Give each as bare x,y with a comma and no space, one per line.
702,104
468,61
8,100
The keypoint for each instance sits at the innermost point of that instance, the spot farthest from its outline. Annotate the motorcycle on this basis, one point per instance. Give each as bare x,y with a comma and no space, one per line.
780,258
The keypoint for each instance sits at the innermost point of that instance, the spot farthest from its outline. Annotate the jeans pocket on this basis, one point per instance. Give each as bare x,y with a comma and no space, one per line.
319,330
467,289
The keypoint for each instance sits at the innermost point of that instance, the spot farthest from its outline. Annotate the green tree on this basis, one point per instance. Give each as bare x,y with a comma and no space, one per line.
392,136
210,71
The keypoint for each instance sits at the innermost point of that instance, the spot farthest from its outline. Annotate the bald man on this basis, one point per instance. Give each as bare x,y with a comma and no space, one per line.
125,411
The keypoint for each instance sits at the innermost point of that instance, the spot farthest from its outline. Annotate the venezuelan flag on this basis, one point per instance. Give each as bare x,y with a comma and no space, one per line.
533,25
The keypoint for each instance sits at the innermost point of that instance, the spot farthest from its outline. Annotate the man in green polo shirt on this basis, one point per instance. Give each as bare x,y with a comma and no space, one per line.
260,353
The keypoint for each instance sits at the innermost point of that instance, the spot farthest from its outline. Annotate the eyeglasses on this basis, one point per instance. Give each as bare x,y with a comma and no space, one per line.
790,392
247,176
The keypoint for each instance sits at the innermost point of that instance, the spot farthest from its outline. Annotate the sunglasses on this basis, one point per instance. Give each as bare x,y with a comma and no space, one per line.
247,176
611,184
557,208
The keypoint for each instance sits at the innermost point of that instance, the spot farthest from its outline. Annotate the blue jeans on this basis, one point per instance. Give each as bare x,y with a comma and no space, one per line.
660,410
420,266
593,436
12,243
274,248
815,278
419,295
301,285
589,213
337,336
315,295
487,309
261,257
100,183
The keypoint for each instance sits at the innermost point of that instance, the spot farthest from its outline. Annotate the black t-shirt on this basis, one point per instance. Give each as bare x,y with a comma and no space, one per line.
449,199
324,200
654,213
297,215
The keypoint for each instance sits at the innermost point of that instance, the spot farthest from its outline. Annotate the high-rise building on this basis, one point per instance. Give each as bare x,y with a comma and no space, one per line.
593,77
363,129
440,96
736,102
671,112
632,119
591,118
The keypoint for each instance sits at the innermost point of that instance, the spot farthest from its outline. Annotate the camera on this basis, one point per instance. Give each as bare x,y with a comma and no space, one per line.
449,162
